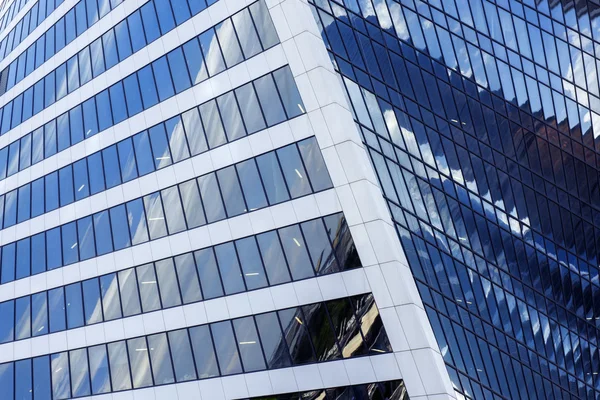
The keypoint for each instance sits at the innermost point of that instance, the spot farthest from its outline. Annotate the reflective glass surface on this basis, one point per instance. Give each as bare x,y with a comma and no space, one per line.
481,120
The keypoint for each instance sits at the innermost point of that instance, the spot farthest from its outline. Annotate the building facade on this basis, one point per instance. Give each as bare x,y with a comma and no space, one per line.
241,199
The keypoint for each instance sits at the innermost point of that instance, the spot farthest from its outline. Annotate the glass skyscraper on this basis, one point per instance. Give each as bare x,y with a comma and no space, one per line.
292,199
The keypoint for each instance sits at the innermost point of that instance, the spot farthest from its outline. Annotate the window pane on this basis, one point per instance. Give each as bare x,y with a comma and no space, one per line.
296,335
75,313
272,178
91,301
230,46
194,131
164,84
250,350
41,378
23,384
176,137
80,380
295,251
264,25
173,210
99,369
119,366
232,119
269,99
204,353
117,101
127,160
118,222
137,222
140,363
22,318
250,108
288,92
313,160
167,281
156,218
61,382
293,170
148,288
147,85
212,124
102,233
226,348
229,268
7,321
339,234
246,33
195,61
85,231
179,72
321,331
209,274
8,263
273,257
188,278
7,379
254,274
39,314
192,205
181,352
252,185
56,310
80,175
211,198
23,258
111,303
38,253
143,153
53,246
162,369
231,191
319,247
132,94
96,173
272,341
130,299
212,52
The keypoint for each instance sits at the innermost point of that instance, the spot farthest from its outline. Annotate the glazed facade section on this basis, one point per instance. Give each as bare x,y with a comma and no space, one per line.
481,121
272,340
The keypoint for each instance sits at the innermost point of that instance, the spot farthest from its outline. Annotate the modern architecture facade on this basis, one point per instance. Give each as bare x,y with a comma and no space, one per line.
290,199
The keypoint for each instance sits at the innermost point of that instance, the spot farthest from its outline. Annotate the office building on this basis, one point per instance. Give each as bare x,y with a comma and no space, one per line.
296,199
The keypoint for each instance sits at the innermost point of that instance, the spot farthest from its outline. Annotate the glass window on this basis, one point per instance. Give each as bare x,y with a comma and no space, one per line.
90,118
148,288
195,61
130,297
23,258
38,253
188,278
252,185
132,94
156,217
181,11
229,268
111,303
80,380
97,56
181,352
10,209
137,222
211,198
232,120
74,301
22,318
7,321
39,314
192,205
209,273
250,108
53,241
179,72
51,184
321,332
91,301
194,131
119,366
41,378
118,223
105,117
231,191
73,72
264,25
24,208
246,33
273,258
165,15
226,348
213,59
13,158
297,337
269,98
176,137
173,210
7,379
143,153
117,102
23,384
162,369
319,247
204,353
123,42
295,251
136,31
272,178
61,81
250,350
49,90
288,92
85,65
127,160
164,84
85,242
212,124
140,363
110,49
37,197
293,171
150,20
273,341
160,146
102,233
99,369
56,310
147,86
230,46
61,382
25,158
65,177
167,283
8,263
254,274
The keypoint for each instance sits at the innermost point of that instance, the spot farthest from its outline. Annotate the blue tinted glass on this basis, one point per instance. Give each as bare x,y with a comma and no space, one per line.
144,158
70,243
22,318
85,65
164,84
176,137
56,310
85,232
272,178
181,11
110,297
127,160
80,177
165,15
90,119
7,321
61,382
96,173
61,81
49,90
289,92
132,94
7,379
97,57
195,61
76,124
136,29
62,132
293,171
147,86
99,374
28,104
230,114
178,67
38,98
120,229
117,100
102,233
65,178
39,314
51,183
137,222
213,204
150,22
41,378
80,17
112,175
74,307
73,73
24,203
23,258
105,117
111,56
78,361
204,353
181,350
3,162
8,263
91,301
226,348
53,246
212,52
37,197
160,147
123,43
269,98
38,253
23,384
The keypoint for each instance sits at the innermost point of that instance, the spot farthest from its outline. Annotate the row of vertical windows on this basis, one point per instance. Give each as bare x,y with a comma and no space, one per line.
12,12
218,121
389,390
336,329
287,173
204,56
294,252
31,20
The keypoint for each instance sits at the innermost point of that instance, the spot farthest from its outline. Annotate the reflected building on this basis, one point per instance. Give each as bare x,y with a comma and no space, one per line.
299,199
